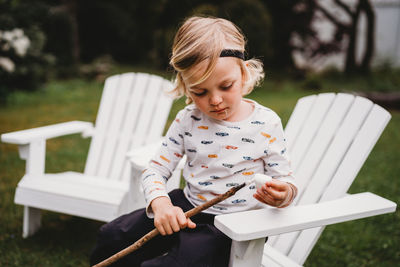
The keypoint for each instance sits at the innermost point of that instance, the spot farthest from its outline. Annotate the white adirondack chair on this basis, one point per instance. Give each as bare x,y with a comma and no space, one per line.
329,138
133,112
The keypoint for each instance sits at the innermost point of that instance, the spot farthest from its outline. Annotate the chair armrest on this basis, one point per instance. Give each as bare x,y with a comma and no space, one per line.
46,132
255,224
140,157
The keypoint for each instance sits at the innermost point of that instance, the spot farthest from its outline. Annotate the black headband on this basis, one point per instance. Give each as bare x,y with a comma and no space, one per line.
232,53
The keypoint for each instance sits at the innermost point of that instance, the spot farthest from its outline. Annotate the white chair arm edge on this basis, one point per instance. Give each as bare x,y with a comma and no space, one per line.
248,225
24,137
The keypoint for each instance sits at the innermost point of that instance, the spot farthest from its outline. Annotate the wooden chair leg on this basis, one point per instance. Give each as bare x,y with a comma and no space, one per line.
32,221
247,253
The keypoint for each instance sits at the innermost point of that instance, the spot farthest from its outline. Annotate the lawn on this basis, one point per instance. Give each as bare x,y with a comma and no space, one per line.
67,240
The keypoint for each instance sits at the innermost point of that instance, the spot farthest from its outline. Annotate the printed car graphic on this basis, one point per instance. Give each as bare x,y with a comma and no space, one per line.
231,184
148,175
201,197
221,134
227,165
257,122
247,140
164,158
191,150
231,147
239,171
178,155
180,135
266,135
188,134
212,155
234,127
247,158
237,201
214,177
272,140
205,183
156,162
203,127
174,141
247,173
219,208
272,164
204,142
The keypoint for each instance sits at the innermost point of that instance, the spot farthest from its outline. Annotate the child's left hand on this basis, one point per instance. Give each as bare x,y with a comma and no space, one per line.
275,193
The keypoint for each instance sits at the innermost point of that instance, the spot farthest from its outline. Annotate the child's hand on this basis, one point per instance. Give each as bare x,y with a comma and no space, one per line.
275,193
168,218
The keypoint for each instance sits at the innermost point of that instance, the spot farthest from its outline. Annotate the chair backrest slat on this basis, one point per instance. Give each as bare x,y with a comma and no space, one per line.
102,123
310,128
350,128
124,121
297,119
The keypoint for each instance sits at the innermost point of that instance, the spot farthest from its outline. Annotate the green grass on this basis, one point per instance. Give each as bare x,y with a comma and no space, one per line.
67,240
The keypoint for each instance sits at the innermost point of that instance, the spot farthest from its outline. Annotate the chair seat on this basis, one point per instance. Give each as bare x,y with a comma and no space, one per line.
74,193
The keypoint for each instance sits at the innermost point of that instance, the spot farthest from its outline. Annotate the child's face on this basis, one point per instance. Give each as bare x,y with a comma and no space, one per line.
220,95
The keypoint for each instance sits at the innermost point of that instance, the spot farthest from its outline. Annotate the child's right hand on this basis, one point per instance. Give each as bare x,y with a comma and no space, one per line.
169,218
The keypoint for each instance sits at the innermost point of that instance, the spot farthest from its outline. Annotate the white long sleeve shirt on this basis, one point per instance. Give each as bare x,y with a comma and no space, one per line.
220,155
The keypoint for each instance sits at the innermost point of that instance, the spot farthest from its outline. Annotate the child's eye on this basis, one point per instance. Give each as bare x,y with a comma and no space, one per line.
226,87
199,93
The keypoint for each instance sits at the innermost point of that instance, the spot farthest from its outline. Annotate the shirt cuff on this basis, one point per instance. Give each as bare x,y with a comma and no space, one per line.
149,210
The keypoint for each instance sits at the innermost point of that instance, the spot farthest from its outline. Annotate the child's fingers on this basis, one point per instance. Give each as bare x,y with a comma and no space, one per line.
191,224
278,195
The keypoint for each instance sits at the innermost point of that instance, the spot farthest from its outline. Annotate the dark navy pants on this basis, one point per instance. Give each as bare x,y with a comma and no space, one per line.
202,246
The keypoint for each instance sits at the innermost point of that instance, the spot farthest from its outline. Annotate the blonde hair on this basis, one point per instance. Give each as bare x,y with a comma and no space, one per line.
203,38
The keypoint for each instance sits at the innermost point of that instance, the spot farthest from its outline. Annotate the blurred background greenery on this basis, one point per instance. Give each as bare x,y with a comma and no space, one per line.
55,55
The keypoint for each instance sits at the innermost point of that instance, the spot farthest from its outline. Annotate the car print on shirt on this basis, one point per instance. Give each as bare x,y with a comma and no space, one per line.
156,162
258,122
148,175
201,197
221,134
203,127
195,118
234,127
213,156
188,134
178,155
231,147
214,177
191,150
247,140
266,135
227,165
204,166
252,187
231,184
247,173
239,171
219,208
237,201
272,140
272,164
204,142
247,158
180,135
174,141
164,158
205,183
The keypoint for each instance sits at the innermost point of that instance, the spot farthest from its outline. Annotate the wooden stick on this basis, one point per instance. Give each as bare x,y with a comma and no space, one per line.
155,232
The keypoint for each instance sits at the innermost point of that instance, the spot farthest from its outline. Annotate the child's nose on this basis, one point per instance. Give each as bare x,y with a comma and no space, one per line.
215,99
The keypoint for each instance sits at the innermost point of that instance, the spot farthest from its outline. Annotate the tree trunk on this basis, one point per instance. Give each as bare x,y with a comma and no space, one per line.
370,41
350,64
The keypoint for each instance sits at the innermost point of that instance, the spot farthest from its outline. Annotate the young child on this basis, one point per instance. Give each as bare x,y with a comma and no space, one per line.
227,139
